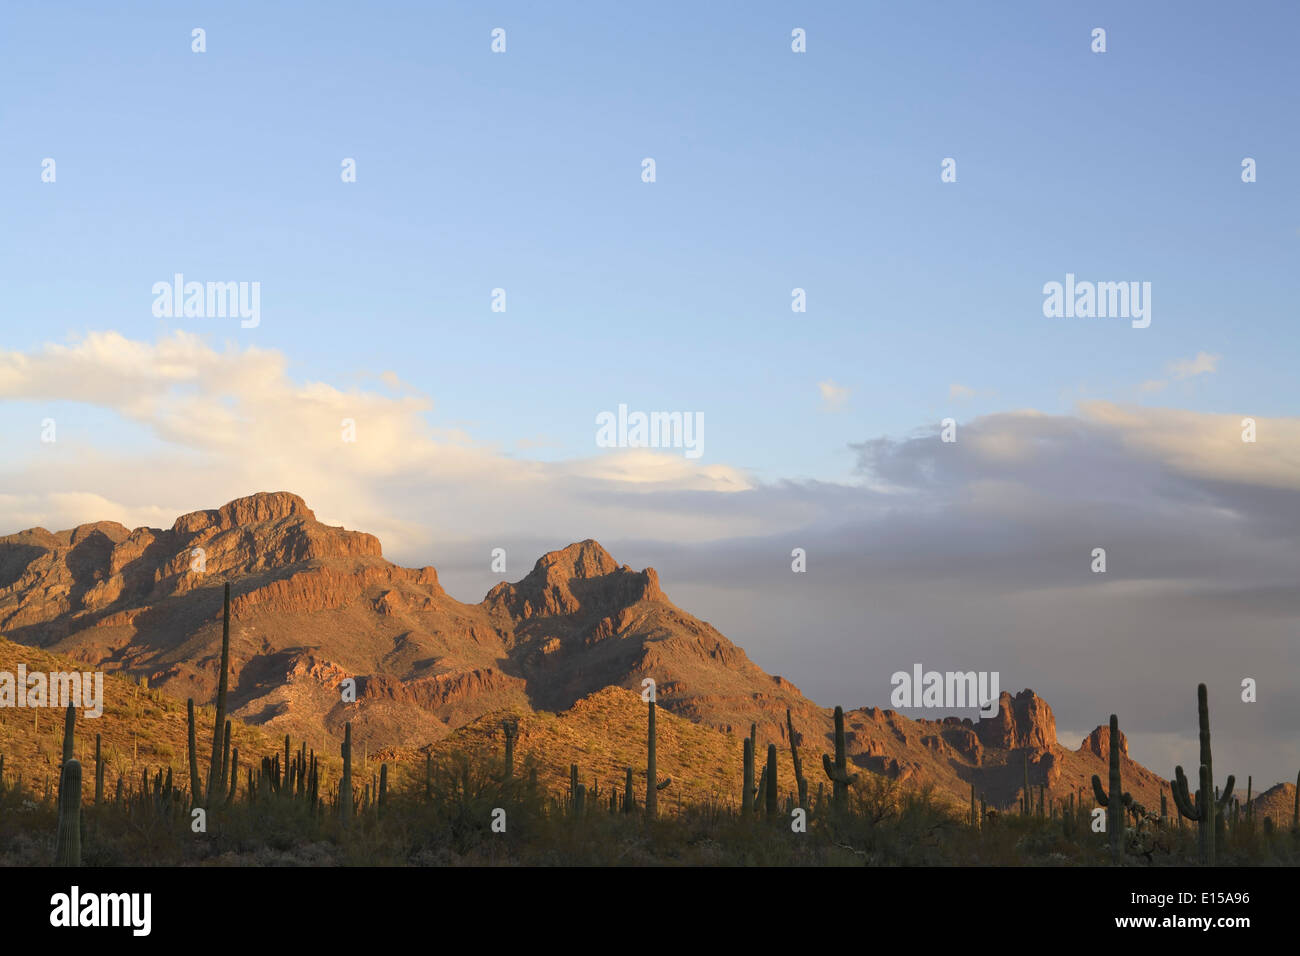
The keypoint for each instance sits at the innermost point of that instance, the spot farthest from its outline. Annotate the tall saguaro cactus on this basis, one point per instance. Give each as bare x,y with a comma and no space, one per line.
1116,801
67,848
651,771
652,782
1205,809
345,786
192,751
838,771
69,733
99,770
215,776
801,782
747,794
770,797
511,728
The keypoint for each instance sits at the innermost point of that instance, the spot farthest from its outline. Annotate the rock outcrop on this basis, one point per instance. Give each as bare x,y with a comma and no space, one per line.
1022,721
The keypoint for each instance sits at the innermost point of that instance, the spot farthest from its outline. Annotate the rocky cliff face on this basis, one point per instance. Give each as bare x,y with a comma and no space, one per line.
1022,721
314,605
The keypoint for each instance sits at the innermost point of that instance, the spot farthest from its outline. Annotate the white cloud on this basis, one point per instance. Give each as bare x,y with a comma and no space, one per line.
1202,364
234,422
1206,446
834,397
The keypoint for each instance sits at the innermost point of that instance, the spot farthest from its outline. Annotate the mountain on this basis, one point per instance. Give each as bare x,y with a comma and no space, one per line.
1278,803
313,605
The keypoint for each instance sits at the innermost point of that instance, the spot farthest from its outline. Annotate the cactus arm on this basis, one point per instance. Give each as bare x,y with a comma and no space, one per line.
664,783
1227,792
835,774
1182,798
1099,793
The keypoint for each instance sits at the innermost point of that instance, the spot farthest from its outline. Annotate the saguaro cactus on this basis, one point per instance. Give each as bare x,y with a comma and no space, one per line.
1205,810
99,770
974,821
192,751
801,782
67,848
771,795
215,775
651,771
225,758
838,771
383,788
234,775
1116,801
1025,798
747,794
511,729
653,783
1295,809
69,734
345,786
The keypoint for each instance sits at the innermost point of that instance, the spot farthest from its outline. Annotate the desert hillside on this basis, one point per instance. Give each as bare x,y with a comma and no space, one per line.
313,605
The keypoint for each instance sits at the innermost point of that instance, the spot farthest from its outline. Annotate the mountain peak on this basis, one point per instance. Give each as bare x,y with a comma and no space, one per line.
252,509
1098,742
582,559
582,576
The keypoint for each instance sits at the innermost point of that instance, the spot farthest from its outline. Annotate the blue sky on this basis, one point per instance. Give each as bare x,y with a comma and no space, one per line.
775,170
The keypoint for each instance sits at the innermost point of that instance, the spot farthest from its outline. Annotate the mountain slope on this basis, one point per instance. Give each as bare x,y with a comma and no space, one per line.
314,605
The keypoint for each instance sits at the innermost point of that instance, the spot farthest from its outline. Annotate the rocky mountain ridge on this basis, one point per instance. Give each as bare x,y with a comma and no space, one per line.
314,605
